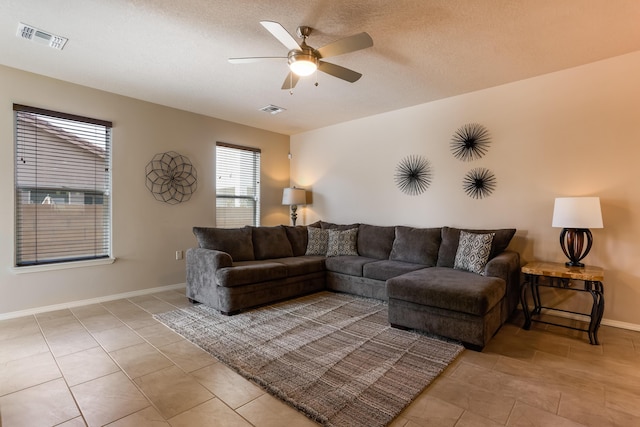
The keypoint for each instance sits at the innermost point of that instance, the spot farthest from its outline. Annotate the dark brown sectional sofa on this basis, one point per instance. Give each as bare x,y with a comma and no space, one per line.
415,269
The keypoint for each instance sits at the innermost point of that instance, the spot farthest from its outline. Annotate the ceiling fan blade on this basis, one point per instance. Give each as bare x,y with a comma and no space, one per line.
346,45
290,81
339,72
281,34
254,59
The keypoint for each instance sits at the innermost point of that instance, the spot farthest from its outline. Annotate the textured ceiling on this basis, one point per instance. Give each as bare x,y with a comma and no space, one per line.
175,52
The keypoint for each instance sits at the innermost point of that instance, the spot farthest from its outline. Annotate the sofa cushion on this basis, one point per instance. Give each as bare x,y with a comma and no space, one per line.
249,272
270,242
386,269
375,241
417,245
451,238
350,265
234,241
342,242
473,252
298,238
448,289
317,241
301,265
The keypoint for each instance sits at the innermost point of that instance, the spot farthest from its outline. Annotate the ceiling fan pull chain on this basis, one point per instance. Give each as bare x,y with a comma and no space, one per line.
316,83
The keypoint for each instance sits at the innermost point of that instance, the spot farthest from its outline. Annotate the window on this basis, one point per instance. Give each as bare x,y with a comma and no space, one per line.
63,187
237,186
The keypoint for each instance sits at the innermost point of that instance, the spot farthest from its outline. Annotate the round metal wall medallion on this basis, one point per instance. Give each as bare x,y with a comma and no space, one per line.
171,177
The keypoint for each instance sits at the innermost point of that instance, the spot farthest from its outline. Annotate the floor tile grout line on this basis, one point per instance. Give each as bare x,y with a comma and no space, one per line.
196,379
163,354
513,407
559,403
48,351
120,368
55,359
464,411
132,380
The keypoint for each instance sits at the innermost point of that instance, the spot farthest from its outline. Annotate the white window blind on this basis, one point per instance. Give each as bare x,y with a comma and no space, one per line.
237,186
63,187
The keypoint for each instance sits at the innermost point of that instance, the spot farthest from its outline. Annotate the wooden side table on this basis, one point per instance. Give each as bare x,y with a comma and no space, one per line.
558,275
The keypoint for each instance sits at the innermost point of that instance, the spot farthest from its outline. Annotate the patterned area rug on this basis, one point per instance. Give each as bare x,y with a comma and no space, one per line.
332,356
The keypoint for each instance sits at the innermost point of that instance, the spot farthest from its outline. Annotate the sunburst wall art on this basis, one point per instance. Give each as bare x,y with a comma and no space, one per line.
171,177
413,175
470,142
479,183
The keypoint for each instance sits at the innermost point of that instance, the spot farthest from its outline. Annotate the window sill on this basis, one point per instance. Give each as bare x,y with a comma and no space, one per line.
63,265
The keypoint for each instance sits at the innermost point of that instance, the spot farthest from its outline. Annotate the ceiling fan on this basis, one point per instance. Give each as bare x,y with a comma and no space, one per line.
304,60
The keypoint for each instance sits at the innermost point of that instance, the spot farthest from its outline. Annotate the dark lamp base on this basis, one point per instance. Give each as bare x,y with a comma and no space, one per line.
576,244
573,264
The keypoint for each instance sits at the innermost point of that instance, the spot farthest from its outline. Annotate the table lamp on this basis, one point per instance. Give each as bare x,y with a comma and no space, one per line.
576,215
294,197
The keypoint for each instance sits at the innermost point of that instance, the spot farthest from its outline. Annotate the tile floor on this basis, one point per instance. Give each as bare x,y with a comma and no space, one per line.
113,364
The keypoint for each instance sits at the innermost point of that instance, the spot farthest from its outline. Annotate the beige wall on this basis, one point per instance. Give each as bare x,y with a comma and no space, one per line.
571,133
146,232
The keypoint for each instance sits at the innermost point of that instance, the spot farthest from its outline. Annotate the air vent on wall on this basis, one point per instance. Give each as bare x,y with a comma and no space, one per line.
31,33
272,109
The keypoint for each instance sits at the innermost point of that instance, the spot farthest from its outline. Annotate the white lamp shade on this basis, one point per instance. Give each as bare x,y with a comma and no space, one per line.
577,212
294,196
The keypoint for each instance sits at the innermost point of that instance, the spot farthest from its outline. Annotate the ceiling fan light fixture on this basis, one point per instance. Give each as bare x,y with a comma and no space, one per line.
303,64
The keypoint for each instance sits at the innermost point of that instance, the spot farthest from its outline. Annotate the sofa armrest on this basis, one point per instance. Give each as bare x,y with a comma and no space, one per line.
202,265
503,265
209,258
506,265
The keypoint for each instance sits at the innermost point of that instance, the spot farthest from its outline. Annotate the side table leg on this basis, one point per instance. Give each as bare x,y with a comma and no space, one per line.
593,317
535,293
525,305
600,311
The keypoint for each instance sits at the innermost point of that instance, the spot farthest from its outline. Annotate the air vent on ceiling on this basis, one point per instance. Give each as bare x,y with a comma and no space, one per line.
272,109
31,33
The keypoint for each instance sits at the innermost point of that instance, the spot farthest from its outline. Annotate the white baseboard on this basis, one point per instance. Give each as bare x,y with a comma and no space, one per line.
37,310
585,318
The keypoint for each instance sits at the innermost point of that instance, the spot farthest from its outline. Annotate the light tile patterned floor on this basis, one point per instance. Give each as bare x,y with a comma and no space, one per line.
113,364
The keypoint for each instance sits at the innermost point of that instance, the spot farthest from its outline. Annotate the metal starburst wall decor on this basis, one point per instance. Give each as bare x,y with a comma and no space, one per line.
479,183
171,177
413,175
470,142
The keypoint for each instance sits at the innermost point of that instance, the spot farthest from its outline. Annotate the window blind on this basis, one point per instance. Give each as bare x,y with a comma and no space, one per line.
62,187
237,186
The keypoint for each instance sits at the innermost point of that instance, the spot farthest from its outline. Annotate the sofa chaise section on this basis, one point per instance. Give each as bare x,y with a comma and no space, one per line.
457,304
447,301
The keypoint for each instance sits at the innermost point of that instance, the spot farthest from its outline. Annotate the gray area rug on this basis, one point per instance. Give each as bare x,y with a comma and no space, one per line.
332,356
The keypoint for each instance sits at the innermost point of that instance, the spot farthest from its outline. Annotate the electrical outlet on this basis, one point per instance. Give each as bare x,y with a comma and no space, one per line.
179,255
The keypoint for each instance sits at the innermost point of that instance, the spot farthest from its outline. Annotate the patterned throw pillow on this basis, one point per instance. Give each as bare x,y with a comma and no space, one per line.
473,252
317,242
342,242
